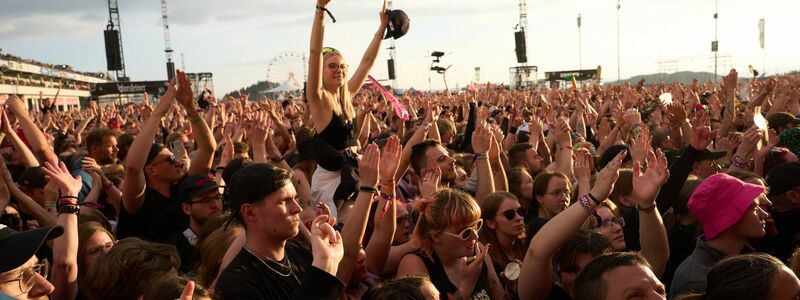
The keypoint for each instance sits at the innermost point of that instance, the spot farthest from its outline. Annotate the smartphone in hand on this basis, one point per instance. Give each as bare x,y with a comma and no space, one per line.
178,149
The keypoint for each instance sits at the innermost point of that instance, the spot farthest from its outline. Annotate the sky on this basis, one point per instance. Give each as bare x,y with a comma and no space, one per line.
236,40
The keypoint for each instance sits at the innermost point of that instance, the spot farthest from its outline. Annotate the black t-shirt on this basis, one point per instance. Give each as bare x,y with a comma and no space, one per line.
447,289
248,277
557,293
533,224
158,218
186,251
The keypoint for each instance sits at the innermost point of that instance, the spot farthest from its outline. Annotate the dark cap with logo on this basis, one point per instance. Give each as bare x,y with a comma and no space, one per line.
195,185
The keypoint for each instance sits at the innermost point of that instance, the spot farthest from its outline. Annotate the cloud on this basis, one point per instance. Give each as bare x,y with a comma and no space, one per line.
31,27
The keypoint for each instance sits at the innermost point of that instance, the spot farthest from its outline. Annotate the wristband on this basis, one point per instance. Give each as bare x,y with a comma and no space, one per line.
739,162
323,9
587,205
593,199
276,159
478,156
195,119
385,195
65,200
647,209
69,209
94,205
368,189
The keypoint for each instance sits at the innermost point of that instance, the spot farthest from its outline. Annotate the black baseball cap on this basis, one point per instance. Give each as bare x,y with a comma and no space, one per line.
195,185
33,178
254,182
19,247
398,24
783,178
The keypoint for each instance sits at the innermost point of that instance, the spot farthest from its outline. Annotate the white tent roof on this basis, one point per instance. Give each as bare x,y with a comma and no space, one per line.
287,86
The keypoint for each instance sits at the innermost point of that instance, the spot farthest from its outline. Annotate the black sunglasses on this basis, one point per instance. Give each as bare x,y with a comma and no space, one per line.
511,213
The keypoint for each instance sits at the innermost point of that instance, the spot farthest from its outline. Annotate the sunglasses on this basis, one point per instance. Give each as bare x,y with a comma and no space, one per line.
513,212
466,233
326,50
170,159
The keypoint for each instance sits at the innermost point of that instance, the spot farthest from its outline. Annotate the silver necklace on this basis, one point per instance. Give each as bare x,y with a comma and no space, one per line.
288,264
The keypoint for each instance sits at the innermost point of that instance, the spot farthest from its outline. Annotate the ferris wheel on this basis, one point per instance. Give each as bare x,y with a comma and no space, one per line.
288,69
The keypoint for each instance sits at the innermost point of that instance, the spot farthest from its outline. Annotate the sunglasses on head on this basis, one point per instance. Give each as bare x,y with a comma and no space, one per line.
466,233
513,212
326,50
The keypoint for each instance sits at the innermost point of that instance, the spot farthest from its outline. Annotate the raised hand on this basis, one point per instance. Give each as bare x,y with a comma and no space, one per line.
16,105
646,185
326,245
583,164
430,181
184,95
563,137
640,146
749,143
165,101
369,167
67,184
481,138
473,269
390,158
5,127
607,177
383,15
261,124
701,134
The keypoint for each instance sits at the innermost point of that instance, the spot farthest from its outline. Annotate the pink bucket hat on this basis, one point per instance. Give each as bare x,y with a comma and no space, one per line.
720,201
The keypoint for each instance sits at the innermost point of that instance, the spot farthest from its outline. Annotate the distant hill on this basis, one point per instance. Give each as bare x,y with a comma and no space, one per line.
255,90
682,77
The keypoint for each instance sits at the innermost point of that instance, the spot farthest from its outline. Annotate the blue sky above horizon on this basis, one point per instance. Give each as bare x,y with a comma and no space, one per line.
236,39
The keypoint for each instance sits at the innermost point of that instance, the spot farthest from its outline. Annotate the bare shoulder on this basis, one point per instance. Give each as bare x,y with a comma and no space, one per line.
412,264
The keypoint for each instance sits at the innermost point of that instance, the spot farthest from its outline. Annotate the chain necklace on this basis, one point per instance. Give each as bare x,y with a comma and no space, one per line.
288,264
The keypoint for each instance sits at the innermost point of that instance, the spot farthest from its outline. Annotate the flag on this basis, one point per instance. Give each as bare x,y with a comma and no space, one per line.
399,109
761,32
579,20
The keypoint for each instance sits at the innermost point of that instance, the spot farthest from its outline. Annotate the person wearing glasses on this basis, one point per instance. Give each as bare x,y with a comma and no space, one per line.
562,234
201,202
151,210
450,255
504,229
22,274
329,93
552,192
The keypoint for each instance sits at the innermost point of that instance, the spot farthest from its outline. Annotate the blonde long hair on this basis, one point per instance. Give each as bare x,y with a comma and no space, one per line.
341,103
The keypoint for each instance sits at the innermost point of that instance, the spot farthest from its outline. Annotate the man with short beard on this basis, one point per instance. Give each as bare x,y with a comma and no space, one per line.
201,201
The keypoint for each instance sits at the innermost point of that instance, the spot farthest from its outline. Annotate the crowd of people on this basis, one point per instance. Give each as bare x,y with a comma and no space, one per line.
647,191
